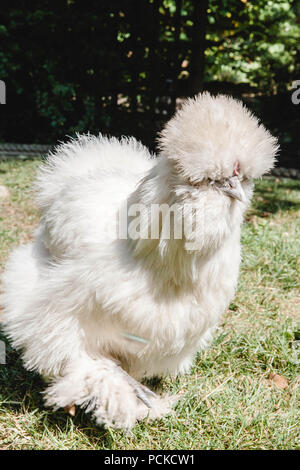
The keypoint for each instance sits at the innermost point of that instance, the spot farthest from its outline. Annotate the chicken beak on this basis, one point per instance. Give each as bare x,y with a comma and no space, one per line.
232,187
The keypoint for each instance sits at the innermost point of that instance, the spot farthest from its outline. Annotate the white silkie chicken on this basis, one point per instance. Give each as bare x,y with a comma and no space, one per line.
94,302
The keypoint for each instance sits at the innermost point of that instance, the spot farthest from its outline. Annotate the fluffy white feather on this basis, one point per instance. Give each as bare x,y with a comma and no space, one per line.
70,296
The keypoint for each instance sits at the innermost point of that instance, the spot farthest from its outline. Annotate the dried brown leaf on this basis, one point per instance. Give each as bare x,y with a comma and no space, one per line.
279,381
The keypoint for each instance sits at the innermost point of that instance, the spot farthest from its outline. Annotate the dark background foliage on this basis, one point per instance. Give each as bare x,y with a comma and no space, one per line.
121,67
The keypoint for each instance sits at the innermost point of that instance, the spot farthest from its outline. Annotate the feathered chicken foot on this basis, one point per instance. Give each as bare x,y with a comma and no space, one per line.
140,390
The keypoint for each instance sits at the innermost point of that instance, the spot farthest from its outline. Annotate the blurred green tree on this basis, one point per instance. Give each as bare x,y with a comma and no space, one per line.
118,67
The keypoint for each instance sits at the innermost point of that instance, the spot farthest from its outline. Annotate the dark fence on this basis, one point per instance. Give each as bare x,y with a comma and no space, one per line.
116,67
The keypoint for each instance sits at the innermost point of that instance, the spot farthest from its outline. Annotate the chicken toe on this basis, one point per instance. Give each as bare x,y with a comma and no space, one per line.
140,390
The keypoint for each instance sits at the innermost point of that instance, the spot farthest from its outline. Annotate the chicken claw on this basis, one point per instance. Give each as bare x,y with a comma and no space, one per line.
140,390
71,409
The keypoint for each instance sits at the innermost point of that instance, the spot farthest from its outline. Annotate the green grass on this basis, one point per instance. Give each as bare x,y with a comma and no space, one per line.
227,401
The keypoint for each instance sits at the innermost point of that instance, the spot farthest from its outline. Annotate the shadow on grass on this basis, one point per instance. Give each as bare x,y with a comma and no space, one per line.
271,197
294,185
272,206
20,158
22,391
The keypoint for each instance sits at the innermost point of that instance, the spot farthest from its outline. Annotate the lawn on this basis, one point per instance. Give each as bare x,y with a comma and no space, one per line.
229,399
